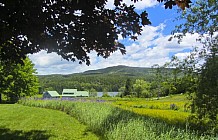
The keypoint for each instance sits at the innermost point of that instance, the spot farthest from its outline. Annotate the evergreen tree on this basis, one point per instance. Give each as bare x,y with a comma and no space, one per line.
128,87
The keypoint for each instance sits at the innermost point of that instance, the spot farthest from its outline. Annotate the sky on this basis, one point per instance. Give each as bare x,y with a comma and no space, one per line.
152,47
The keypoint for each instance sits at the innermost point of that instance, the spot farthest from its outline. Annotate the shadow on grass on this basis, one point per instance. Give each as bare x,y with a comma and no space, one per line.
7,134
7,102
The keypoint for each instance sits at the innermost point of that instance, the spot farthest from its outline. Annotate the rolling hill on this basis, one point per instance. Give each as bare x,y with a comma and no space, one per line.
110,78
122,70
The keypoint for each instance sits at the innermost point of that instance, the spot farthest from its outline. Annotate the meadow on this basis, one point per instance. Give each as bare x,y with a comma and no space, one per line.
18,122
172,109
110,121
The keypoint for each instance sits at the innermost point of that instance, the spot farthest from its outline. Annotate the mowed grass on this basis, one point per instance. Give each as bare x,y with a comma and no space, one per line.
19,122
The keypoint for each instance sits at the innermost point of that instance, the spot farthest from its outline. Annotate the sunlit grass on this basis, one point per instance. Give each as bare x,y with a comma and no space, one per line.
114,123
170,116
19,122
180,102
171,109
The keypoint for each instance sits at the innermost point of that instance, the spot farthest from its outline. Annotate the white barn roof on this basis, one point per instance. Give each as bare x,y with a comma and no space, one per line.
68,91
74,93
53,93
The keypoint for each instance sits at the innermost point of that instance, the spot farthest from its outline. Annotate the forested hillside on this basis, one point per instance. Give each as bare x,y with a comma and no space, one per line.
108,79
123,70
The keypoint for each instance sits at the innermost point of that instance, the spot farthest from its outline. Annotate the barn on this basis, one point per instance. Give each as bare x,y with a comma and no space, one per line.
51,94
74,93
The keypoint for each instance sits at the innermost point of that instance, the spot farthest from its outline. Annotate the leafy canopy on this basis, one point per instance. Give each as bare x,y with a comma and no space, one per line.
70,28
141,88
202,19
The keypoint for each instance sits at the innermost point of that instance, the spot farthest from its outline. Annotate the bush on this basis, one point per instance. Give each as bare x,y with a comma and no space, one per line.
173,107
106,95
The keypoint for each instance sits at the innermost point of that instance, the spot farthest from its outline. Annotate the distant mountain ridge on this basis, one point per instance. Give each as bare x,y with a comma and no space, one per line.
115,70
121,69
110,78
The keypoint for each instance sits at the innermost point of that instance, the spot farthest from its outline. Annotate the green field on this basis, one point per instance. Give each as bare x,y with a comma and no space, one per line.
110,122
98,118
19,122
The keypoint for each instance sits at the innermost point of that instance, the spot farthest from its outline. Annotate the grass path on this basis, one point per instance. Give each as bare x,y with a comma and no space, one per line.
19,122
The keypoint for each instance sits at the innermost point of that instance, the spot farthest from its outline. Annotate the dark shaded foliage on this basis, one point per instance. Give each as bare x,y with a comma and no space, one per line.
70,28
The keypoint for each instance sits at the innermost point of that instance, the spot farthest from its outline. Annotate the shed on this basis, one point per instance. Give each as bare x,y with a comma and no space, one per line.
51,94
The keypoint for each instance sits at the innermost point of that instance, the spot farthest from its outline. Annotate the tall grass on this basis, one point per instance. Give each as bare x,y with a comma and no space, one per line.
180,102
173,109
113,123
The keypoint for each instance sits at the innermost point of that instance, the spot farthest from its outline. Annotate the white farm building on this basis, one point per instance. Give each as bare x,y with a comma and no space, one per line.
74,93
51,94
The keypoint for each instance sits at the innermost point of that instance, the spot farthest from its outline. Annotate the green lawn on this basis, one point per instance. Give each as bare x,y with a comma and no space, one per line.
19,122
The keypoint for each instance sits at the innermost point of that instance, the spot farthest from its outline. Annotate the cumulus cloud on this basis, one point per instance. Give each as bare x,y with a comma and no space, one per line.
152,47
42,59
183,55
140,5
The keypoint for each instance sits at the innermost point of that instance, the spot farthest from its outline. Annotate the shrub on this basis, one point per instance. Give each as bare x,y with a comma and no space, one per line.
173,107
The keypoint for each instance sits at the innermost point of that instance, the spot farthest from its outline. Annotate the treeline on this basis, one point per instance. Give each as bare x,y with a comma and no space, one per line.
160,82
99,82
164,82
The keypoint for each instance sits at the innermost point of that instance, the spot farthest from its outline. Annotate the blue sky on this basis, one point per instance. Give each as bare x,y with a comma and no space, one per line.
152,47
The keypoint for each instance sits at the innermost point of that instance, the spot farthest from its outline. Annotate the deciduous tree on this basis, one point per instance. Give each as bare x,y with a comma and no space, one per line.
202,19
92,92
142,88
18,80
70,28
205,101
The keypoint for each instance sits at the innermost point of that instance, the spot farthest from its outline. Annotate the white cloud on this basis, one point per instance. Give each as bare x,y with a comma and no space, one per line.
182,55
152,47
140,5
42,59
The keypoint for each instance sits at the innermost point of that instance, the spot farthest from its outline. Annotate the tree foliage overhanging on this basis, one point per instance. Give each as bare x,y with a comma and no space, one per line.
71,28
202,19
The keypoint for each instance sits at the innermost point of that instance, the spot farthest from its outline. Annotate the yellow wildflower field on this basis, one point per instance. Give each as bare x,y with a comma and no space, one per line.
173,110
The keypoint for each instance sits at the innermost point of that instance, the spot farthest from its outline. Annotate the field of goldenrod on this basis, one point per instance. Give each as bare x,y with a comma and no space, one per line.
173,110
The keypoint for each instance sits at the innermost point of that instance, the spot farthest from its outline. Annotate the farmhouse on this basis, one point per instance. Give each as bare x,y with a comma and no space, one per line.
74,93
51,94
